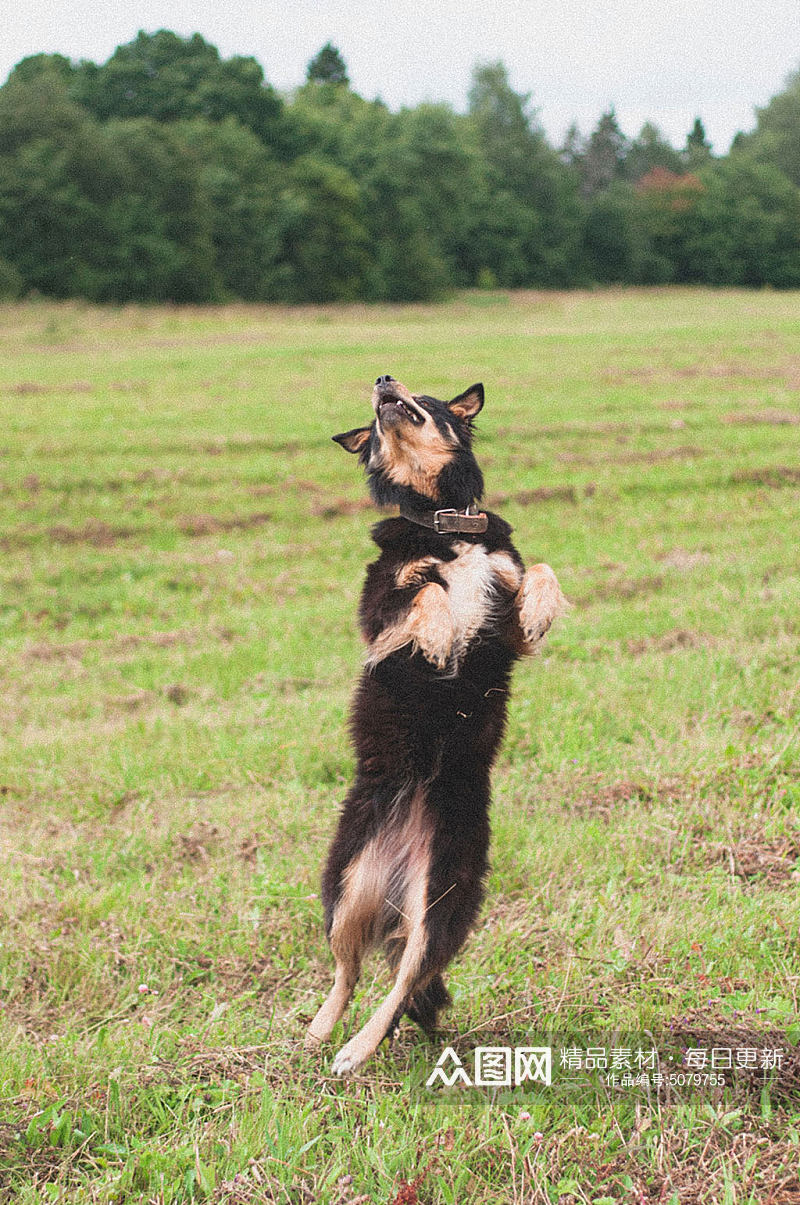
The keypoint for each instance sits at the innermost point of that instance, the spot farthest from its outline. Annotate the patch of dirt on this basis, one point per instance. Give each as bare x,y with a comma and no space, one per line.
76,649
94,531
668,643
751,774
701,371
242,444
623,587
701,1030
194,845
604,797
36,387
293,686
248,849
773,476
204,525
255,1186
338,507
33,483
763,1168
773,860
127,703
759,418
545,493
653,456
681,558
35,1165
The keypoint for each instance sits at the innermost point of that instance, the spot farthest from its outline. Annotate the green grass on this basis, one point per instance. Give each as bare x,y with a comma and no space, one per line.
183,549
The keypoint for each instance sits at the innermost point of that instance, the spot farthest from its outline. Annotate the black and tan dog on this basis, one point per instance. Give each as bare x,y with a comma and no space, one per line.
445,611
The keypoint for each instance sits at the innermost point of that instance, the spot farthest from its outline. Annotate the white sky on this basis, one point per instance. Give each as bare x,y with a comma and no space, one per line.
660,60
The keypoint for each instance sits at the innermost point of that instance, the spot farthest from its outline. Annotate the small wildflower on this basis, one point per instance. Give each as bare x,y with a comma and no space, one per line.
538,1136
143,988
524,1116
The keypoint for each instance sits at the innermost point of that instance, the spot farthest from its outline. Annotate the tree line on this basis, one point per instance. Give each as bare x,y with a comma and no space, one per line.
169,173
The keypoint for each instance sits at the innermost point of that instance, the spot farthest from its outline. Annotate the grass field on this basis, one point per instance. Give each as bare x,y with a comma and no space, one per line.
182,552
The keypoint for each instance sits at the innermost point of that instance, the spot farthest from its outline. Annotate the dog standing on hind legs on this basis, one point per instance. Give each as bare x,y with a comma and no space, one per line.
445,611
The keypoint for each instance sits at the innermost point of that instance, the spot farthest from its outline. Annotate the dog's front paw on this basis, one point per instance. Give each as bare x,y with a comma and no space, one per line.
539,601
431,625
347,1061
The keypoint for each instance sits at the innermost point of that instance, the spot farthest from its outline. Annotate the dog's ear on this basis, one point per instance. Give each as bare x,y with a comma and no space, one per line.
468,404
353,441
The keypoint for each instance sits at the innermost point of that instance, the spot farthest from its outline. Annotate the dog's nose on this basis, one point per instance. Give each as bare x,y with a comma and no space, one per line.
384,380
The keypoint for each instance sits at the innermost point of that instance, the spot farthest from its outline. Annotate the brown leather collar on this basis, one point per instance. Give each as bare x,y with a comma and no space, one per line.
451,520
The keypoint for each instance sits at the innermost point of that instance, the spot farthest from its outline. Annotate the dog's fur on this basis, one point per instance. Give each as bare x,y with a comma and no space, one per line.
444,618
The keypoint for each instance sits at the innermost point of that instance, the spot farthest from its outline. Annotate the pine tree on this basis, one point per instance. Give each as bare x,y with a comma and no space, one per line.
327,67
698,148
604,158
574,146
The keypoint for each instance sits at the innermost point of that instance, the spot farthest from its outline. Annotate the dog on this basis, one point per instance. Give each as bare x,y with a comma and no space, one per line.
445,611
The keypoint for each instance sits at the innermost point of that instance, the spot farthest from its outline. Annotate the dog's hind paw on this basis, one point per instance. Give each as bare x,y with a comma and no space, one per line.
347,1061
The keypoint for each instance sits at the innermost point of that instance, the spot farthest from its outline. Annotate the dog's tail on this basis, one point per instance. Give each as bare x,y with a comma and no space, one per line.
424,1006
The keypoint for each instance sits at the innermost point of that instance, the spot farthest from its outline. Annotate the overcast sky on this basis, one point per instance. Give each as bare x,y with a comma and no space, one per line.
661,60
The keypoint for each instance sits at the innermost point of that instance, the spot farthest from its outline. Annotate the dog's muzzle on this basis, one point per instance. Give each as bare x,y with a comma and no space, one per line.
391,401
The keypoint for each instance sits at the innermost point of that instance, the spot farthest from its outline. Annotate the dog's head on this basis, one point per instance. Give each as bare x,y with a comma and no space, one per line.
418,450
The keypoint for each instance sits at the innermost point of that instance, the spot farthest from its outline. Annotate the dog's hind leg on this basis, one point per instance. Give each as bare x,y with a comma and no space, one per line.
410,978
345,979
351,934
424,1006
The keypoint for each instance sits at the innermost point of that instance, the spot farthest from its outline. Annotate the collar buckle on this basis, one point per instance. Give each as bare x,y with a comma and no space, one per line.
443,519
451,520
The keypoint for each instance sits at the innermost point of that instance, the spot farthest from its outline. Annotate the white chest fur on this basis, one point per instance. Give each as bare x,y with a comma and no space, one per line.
470,580
441,622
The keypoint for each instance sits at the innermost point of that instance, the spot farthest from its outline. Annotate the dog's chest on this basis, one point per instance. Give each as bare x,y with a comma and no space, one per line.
470,581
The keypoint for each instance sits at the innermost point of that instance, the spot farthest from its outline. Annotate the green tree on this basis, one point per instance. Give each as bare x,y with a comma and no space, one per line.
745,228
324,253
327,67
166,77
573,147
35,66
167,252
668,203
240,183
648,150
698,149
442,180
531,195
613,237
393,159
604,158
58,176
776,138
35,104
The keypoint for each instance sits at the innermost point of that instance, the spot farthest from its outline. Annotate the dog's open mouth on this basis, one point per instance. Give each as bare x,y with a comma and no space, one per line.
392,401
401,406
